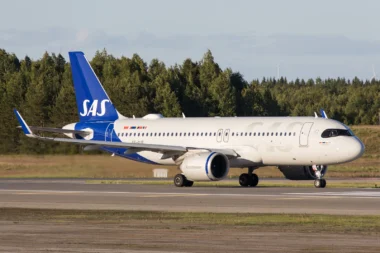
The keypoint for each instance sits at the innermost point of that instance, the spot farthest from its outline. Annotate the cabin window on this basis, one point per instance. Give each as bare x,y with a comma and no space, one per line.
250,134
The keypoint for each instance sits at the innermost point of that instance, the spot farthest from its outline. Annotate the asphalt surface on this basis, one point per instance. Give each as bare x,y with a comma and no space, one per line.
75,194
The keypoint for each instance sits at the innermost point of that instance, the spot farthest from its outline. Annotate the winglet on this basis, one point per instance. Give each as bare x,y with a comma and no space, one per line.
23,124
315,114
323,113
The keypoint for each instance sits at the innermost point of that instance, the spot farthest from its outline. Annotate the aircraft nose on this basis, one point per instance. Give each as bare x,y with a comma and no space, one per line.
356,149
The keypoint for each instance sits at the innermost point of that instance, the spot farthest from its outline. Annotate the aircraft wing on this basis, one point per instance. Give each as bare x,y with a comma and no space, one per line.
135,147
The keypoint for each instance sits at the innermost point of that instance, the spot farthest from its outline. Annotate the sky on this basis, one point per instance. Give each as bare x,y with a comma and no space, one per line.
292,38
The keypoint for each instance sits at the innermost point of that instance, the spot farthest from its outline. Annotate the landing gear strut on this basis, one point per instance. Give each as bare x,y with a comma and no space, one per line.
249,179
181,181
320,171
320,183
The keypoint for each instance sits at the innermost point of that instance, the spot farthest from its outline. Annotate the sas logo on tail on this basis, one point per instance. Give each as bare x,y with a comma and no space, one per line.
93,110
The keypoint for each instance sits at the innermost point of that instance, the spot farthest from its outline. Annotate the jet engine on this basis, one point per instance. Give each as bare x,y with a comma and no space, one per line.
303,172
205,166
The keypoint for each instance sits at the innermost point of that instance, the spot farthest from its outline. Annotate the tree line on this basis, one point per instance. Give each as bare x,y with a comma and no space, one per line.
43,92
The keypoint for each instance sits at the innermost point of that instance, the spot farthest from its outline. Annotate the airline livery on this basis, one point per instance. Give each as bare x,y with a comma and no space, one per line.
204,148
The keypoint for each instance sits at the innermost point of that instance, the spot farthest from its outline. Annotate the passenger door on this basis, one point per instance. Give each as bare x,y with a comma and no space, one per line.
226,135
108,133
304,134
219,135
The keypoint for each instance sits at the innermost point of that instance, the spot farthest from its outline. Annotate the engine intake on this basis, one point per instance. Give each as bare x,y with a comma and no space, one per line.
303,172
205,166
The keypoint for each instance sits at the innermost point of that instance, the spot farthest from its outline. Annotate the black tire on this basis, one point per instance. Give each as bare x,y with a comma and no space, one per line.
254,180
323,183
244,180
179,180
189,183
317,183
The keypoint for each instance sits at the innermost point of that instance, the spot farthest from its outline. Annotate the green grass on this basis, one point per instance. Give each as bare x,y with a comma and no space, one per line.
277,222
303,184
103,166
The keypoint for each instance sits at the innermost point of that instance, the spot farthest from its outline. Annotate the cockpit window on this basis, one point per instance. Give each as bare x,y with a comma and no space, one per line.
336,132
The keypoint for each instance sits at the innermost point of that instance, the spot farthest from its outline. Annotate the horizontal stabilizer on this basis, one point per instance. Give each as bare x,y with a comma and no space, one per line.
56,130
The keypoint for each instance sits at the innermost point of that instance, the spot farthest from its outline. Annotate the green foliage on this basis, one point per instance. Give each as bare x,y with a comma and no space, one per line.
43,91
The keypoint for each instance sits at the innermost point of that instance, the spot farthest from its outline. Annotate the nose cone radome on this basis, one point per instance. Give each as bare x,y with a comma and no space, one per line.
355,149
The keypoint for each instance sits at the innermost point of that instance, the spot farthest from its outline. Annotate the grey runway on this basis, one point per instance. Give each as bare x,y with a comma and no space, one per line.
75,194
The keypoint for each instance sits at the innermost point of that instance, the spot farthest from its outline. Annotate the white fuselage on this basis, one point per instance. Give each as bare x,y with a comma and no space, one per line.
259,141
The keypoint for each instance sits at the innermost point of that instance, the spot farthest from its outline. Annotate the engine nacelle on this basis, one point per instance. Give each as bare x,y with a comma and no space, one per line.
205,166
303,172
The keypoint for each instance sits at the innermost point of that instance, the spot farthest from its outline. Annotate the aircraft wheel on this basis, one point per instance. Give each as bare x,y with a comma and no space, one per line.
323,181
254,180
189,183
244,180
179,180
320,183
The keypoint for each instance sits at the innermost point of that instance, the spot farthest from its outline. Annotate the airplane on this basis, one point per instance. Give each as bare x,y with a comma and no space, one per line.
204,148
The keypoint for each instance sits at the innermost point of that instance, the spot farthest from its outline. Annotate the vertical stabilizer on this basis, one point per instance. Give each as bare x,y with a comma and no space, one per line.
92,101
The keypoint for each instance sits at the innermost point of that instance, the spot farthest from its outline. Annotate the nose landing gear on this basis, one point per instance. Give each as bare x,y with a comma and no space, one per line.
249,179
319,172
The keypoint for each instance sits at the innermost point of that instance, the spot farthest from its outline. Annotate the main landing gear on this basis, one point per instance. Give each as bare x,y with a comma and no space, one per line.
249,179
181,181
320,183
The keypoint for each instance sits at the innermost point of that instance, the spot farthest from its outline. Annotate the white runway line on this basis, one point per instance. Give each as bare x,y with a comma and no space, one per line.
136,193
371,194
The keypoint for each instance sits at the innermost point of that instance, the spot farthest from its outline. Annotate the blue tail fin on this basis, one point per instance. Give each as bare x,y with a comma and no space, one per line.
92,101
